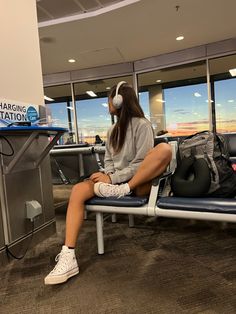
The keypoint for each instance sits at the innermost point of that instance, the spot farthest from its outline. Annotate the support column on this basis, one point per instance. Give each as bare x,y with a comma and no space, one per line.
20,62
157,108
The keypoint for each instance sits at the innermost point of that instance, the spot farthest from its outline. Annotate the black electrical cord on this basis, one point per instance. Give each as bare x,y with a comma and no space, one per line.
9,253
12,150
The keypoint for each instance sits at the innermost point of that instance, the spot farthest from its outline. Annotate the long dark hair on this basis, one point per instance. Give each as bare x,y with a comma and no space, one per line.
130,108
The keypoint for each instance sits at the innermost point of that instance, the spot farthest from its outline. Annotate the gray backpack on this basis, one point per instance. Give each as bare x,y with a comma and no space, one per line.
204,156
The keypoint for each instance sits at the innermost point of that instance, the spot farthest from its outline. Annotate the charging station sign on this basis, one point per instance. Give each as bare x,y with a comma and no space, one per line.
15,111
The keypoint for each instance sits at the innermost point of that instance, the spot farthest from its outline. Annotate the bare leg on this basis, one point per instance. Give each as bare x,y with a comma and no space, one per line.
80,193
152,166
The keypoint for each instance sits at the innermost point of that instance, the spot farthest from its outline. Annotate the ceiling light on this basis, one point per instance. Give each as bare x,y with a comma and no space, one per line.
197,94
108,88
233,72
230,100
48,98
91,93
105,105
158,81
71,60
180,38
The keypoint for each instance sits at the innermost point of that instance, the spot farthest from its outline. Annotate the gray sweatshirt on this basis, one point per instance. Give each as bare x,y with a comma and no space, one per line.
138,141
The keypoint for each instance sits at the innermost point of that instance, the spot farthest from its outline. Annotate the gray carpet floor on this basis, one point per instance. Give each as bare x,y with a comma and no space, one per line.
160,266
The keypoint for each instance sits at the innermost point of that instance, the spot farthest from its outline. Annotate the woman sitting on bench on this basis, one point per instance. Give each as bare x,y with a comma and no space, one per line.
129,159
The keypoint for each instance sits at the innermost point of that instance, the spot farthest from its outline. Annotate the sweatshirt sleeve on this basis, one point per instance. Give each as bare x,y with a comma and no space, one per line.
108,161
144,141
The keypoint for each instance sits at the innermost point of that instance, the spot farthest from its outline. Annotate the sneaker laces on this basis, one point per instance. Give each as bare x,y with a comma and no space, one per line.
114,190
62,262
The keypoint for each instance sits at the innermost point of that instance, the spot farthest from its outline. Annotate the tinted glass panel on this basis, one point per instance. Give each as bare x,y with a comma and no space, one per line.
177,98
59,110
223,85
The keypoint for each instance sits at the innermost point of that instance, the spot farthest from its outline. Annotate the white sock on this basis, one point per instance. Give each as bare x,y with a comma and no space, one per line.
127,187
69,248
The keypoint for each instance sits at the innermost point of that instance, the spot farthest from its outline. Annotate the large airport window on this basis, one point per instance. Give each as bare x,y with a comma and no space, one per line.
59,110
177,97
223,87
144,102
186,109
93,117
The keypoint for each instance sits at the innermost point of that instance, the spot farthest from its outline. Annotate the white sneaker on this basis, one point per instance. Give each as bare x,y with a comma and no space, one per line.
65,268
106,190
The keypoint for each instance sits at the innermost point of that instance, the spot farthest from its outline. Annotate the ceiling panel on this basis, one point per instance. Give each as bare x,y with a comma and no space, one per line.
89,4
139,30
100,56
59,8
43,15
108,2
54,9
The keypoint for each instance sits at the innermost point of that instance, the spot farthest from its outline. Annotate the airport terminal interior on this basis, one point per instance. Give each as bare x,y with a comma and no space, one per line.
162,253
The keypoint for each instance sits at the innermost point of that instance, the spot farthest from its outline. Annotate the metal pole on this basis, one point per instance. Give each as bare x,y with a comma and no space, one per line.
100,239
135,81
74,113
210,106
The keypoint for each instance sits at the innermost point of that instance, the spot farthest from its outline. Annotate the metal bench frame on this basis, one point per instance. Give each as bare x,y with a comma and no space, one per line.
152,208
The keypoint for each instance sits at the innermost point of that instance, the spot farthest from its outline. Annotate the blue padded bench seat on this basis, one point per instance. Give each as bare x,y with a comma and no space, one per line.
126,201
212,205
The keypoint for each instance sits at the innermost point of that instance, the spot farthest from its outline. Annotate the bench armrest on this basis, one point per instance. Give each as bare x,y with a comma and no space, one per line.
155,191
164,176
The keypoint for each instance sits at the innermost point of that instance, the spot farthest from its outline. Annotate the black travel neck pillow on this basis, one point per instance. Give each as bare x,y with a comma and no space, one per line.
192,178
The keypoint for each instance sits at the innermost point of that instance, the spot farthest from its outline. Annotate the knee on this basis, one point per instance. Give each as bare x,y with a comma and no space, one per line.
76,188
82,190
167,153
163,152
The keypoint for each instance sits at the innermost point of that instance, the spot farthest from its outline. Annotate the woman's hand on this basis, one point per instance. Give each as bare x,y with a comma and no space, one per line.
100,177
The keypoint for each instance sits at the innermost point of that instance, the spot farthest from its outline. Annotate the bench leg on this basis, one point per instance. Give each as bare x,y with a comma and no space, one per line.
99,225
131,220
113,218
85,215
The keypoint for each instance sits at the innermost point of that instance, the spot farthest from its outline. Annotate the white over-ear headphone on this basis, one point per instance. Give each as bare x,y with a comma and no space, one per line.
117,100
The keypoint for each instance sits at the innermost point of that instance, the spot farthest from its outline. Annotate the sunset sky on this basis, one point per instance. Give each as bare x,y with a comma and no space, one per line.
186,110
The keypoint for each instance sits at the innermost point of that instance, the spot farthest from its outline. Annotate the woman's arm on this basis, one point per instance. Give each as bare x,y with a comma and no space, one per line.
143,143
108,161
100,177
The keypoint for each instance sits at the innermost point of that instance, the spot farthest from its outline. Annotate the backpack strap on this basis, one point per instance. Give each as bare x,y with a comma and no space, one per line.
223,145
202,132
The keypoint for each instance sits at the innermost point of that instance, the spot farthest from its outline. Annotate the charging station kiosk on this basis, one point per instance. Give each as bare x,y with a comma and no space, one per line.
26,183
